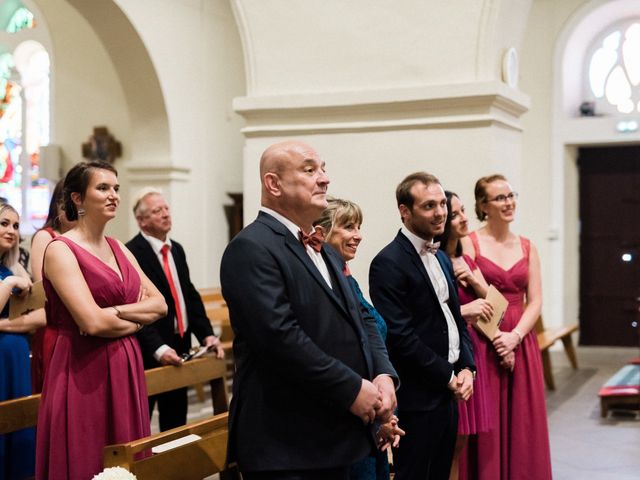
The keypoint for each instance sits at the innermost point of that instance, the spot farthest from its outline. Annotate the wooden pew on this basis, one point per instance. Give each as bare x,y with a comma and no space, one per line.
211,294
23,412
196,371
218,315
197,459
546,338
19,413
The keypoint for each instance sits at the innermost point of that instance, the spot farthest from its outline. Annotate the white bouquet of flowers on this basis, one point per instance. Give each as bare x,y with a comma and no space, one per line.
115,473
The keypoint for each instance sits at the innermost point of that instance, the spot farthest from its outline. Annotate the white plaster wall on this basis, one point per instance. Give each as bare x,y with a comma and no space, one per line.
304,47
375,87
366,168
86,91
102,76
557,36
196,53
546,20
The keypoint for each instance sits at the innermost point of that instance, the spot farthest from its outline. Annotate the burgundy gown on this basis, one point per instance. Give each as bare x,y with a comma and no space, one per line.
474,415
94,390
518,448
42,344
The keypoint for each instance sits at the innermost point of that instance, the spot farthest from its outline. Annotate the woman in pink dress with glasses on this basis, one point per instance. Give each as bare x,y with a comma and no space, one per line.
518,448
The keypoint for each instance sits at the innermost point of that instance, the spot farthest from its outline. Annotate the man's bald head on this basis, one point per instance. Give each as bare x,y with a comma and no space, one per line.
293,181
278,156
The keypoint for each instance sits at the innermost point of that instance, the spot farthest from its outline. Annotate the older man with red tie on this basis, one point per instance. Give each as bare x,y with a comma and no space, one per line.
164,342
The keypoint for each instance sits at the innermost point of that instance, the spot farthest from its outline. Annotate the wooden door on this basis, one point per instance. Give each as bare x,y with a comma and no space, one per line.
609,245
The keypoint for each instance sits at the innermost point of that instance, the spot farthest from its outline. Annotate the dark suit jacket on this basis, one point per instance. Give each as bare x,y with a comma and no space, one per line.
162,331
417,337
301,352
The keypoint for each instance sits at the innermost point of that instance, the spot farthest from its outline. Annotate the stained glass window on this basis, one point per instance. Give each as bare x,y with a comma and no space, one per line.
22,18
24,114
614,70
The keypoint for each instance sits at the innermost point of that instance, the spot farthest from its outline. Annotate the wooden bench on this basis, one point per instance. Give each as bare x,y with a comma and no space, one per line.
546,338
197,459
211,294
622,391
19,413
22,412
218,314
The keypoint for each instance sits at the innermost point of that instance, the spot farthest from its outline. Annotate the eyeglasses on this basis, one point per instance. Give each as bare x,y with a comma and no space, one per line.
512,197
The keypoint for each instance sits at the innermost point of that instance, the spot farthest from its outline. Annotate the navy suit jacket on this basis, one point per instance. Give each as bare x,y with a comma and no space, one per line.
417,338
162,331
301,351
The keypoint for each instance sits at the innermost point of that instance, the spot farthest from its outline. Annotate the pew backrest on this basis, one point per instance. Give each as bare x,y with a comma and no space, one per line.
22,412
197,459
19,413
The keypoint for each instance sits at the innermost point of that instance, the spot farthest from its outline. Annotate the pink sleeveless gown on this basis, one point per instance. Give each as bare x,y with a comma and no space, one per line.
42,344
474,414
94,391
518,448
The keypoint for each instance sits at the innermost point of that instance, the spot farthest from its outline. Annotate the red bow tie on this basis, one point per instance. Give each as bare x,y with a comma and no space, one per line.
314,239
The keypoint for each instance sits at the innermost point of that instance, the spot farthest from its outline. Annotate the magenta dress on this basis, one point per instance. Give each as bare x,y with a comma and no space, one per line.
42,343
474,415
518,448
94,391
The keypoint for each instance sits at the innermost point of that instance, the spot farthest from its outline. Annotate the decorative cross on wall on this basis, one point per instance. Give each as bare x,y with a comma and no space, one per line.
102,146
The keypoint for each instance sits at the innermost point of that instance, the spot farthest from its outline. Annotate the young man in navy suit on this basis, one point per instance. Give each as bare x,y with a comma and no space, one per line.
412,286
312,373
164,341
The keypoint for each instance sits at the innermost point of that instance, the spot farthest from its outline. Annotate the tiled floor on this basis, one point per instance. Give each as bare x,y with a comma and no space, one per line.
583,445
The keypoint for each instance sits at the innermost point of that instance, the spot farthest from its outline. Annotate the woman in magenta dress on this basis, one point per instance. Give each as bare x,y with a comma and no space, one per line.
472,288
44,338
519,447
94,391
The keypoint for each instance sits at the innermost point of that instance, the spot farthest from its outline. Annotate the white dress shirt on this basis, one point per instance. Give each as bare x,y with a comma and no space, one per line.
439,282
157,245
316,257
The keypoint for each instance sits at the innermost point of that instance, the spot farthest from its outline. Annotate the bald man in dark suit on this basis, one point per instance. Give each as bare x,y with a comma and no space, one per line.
312,372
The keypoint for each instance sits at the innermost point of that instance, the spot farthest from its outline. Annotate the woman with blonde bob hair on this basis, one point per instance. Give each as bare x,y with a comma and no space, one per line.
339,226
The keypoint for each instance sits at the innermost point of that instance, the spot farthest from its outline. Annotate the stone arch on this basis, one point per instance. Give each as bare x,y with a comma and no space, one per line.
150,140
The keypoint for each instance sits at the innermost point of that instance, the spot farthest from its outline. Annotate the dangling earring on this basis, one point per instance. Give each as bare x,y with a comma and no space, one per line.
81,212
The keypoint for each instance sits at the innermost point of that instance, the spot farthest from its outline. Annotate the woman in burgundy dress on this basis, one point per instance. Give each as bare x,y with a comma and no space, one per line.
519,447
472,289
44,338
94,391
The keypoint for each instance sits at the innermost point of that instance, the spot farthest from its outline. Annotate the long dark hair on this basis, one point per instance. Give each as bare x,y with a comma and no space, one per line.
446,235
53,219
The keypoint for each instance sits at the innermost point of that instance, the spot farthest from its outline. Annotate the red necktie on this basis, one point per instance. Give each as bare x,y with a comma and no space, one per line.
345,270
172,286
315,239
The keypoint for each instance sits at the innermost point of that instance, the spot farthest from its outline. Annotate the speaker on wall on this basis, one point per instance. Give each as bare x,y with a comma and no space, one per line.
50,162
